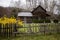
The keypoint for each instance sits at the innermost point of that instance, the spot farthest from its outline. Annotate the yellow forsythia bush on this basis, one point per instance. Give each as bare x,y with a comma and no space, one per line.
5,20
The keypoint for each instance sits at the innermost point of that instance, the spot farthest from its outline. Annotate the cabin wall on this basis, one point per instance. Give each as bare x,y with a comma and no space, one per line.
31,19
28,19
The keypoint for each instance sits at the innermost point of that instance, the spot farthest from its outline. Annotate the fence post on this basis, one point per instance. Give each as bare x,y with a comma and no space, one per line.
0,28
42,29
58,28
30,31
15,29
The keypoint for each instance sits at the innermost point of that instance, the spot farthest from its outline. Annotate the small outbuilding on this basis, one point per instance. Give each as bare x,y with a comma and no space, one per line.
25,16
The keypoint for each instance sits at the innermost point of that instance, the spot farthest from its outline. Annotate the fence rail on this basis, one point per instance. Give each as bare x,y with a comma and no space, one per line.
30,28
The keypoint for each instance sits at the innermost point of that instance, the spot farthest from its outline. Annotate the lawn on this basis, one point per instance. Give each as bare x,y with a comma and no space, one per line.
34,37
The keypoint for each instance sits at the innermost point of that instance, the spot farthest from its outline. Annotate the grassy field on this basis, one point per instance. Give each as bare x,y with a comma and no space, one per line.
34,37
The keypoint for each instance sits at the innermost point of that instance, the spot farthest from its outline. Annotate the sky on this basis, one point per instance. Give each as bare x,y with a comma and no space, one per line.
5,3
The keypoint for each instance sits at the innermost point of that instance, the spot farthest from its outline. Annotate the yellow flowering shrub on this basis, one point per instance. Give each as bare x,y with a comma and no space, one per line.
19,22
5,20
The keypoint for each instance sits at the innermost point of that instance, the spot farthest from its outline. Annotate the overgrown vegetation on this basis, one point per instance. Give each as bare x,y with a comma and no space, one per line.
55,21
34,37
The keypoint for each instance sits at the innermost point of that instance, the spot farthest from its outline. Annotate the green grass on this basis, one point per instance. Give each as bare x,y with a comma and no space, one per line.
34,37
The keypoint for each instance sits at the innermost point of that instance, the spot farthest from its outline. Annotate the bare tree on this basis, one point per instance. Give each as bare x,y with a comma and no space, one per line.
46,4
15,3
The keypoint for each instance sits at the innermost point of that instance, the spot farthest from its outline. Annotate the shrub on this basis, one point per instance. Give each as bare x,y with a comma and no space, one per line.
41,21
47,21
38,21
55,21
35,21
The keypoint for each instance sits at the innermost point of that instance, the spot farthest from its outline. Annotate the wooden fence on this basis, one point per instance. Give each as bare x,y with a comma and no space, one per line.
29,28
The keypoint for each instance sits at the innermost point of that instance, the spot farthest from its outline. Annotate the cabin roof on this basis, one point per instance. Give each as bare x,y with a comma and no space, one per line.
25,14
40,11
38,7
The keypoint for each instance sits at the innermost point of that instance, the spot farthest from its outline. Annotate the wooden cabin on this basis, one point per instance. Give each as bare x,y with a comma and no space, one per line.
38,13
